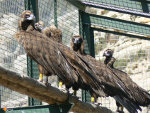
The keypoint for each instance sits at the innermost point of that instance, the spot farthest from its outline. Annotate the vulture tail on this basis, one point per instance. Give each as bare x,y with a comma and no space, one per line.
131,106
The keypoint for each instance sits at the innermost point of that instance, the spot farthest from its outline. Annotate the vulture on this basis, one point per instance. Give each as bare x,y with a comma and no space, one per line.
77,44
80,71
109,61
56,35
39,27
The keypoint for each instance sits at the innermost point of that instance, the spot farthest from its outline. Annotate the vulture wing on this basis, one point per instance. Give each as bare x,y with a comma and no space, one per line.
57,58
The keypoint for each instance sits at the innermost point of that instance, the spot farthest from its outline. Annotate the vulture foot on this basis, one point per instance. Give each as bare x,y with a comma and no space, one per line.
40,78
120,109
47,84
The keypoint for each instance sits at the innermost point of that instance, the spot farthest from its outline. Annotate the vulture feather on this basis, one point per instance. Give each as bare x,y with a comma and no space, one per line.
74,68
77,44
53,33
109,61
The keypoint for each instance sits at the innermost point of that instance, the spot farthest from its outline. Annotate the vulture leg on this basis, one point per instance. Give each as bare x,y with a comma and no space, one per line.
75,92
56,35
40,78
46,81
60,84
92,99
119,107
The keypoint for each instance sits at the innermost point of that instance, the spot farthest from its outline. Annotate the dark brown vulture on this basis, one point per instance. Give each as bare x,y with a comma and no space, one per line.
77,44
56,35
109,61
86,72
39,27
53,33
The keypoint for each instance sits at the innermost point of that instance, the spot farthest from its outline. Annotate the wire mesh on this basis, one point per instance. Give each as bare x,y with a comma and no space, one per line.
133,5
12,55
132,56
68,20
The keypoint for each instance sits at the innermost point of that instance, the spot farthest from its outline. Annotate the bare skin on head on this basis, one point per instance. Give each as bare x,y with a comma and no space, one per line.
109,61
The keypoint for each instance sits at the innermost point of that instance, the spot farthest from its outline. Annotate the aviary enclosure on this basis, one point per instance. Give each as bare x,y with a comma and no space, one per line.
121,25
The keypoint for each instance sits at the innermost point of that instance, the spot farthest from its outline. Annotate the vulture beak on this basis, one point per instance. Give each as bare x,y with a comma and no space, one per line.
76,41
31,17
39,27
106,53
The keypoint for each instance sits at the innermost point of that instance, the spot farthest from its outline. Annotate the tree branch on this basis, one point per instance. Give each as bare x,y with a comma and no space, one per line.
51,95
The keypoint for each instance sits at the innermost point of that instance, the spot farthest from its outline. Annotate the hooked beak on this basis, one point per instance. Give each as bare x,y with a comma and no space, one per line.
39,27
105,54
31,17
76,41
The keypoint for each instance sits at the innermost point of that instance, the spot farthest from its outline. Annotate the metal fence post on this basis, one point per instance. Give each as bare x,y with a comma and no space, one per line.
88,35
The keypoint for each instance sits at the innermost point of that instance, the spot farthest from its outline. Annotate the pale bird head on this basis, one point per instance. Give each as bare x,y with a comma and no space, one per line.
27,15
108,53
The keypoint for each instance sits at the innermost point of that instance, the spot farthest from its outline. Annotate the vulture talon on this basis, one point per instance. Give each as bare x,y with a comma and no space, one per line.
47,84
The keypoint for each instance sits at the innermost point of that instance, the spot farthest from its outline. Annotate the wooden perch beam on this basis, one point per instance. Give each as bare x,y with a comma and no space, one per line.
51,95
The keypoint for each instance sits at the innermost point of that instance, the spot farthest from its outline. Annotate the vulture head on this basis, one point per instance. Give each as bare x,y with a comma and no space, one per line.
54,33
39,26
108,53
27,18
77,42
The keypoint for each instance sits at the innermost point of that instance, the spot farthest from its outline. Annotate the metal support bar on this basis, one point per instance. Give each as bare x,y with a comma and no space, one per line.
78,4
144,13
88,35
116,24
55,13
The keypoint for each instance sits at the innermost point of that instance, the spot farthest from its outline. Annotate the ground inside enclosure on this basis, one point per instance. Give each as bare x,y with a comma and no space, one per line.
132,54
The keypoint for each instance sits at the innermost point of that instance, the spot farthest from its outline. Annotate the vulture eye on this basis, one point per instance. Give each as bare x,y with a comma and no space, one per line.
73,39
50,34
